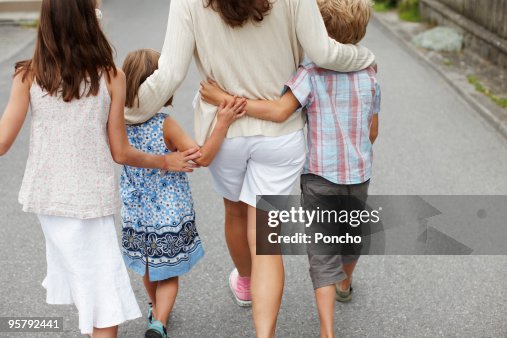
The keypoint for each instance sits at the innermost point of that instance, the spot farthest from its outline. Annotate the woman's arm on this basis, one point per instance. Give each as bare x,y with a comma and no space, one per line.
123,152
275,111
320,48
176,138
173,65
15,113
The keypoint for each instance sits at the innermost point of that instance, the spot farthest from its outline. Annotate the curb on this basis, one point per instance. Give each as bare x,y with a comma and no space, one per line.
500,125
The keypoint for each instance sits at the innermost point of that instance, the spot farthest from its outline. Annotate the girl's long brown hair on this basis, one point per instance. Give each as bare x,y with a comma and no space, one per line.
237,12
138,66
70,50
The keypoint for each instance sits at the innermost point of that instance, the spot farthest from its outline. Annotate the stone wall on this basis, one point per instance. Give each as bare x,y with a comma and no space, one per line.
483,23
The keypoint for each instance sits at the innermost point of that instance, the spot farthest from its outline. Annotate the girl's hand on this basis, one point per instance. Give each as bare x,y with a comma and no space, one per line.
230,112
211,93
182,161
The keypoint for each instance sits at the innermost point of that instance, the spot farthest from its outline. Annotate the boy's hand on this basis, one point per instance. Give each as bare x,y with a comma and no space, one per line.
230,112
182,161
211,93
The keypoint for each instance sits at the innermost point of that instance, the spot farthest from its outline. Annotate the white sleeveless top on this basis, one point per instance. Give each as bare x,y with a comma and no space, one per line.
70,171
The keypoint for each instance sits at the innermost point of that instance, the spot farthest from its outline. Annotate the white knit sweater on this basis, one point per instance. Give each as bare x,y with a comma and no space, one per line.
253,61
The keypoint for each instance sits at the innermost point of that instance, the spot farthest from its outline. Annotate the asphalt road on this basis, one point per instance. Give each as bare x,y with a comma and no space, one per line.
431,142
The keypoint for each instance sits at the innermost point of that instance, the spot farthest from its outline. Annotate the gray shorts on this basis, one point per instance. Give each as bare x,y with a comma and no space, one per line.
326,269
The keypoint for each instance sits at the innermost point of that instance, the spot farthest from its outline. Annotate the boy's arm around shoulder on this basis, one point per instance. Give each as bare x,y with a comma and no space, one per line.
15,113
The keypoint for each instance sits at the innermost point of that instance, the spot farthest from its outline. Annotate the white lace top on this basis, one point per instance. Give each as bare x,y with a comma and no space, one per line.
70,171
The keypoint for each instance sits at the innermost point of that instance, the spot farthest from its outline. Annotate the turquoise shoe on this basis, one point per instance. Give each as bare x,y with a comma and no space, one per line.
156,330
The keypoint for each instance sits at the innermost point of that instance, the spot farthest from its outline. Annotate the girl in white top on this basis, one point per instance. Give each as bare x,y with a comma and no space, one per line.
250,48
77,97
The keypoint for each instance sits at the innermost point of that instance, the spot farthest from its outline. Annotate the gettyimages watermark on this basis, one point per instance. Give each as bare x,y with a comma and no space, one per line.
382,225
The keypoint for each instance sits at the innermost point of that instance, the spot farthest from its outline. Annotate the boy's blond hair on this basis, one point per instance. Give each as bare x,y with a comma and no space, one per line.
346,20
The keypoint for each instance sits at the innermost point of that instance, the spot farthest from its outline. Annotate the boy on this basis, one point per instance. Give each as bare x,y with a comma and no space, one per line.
342,112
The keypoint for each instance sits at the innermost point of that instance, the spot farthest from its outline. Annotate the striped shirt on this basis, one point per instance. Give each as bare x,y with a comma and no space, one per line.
340,107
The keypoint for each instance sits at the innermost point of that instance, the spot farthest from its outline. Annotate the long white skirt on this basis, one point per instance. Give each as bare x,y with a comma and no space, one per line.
85,268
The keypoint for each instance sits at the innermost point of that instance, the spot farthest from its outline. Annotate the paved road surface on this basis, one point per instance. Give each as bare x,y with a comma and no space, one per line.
431,142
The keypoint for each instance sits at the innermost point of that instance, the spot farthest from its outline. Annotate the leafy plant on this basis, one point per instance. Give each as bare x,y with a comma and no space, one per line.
409,10
500,101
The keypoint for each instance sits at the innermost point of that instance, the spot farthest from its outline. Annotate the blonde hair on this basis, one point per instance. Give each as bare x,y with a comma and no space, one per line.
346,20
138,66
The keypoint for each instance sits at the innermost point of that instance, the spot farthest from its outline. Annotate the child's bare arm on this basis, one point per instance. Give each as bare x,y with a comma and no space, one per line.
123,152
275,111
374,128
176,138
15,113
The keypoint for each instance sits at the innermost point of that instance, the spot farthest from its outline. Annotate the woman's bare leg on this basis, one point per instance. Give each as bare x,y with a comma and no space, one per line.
108,332
267,284
325,298
236,236
167,290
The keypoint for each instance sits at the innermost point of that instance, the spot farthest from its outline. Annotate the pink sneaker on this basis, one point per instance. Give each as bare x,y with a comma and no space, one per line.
240,287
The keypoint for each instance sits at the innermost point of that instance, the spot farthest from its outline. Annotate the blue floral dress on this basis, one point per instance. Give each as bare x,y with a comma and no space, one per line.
158,218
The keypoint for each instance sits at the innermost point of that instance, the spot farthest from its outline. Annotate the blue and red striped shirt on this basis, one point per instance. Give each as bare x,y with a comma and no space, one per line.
340,107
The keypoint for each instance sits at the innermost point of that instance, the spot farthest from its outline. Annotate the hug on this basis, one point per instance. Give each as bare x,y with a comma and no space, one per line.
269,69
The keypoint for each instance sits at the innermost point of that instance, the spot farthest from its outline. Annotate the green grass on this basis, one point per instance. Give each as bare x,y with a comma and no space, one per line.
29,23
500,101
409,11
381,7
448,62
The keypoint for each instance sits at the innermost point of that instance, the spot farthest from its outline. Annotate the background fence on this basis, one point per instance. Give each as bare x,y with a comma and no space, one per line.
491,14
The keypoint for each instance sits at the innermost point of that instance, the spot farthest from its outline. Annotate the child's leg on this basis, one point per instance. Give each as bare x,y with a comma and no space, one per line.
325,272
325,298
108,332
359,191
349,264
167,290
151,289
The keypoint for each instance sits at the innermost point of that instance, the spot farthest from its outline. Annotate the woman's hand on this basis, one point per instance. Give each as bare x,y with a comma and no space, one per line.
211,93
182,161
230,112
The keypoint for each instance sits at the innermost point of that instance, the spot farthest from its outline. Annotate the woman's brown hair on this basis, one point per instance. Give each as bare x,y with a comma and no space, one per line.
70,49
138,66
237,12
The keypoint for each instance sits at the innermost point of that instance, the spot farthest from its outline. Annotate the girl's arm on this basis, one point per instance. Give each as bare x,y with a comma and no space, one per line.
275,111
176,138
15,112
123,152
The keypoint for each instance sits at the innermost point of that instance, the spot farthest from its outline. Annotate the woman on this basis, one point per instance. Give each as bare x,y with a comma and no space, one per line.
250,48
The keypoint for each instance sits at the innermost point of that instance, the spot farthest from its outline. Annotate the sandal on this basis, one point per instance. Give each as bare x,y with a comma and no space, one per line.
156,330
344,296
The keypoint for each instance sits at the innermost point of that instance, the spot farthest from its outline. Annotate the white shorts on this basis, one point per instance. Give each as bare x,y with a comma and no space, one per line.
258,165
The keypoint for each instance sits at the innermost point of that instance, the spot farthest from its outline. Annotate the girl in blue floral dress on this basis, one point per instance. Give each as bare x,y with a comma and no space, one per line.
159,238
